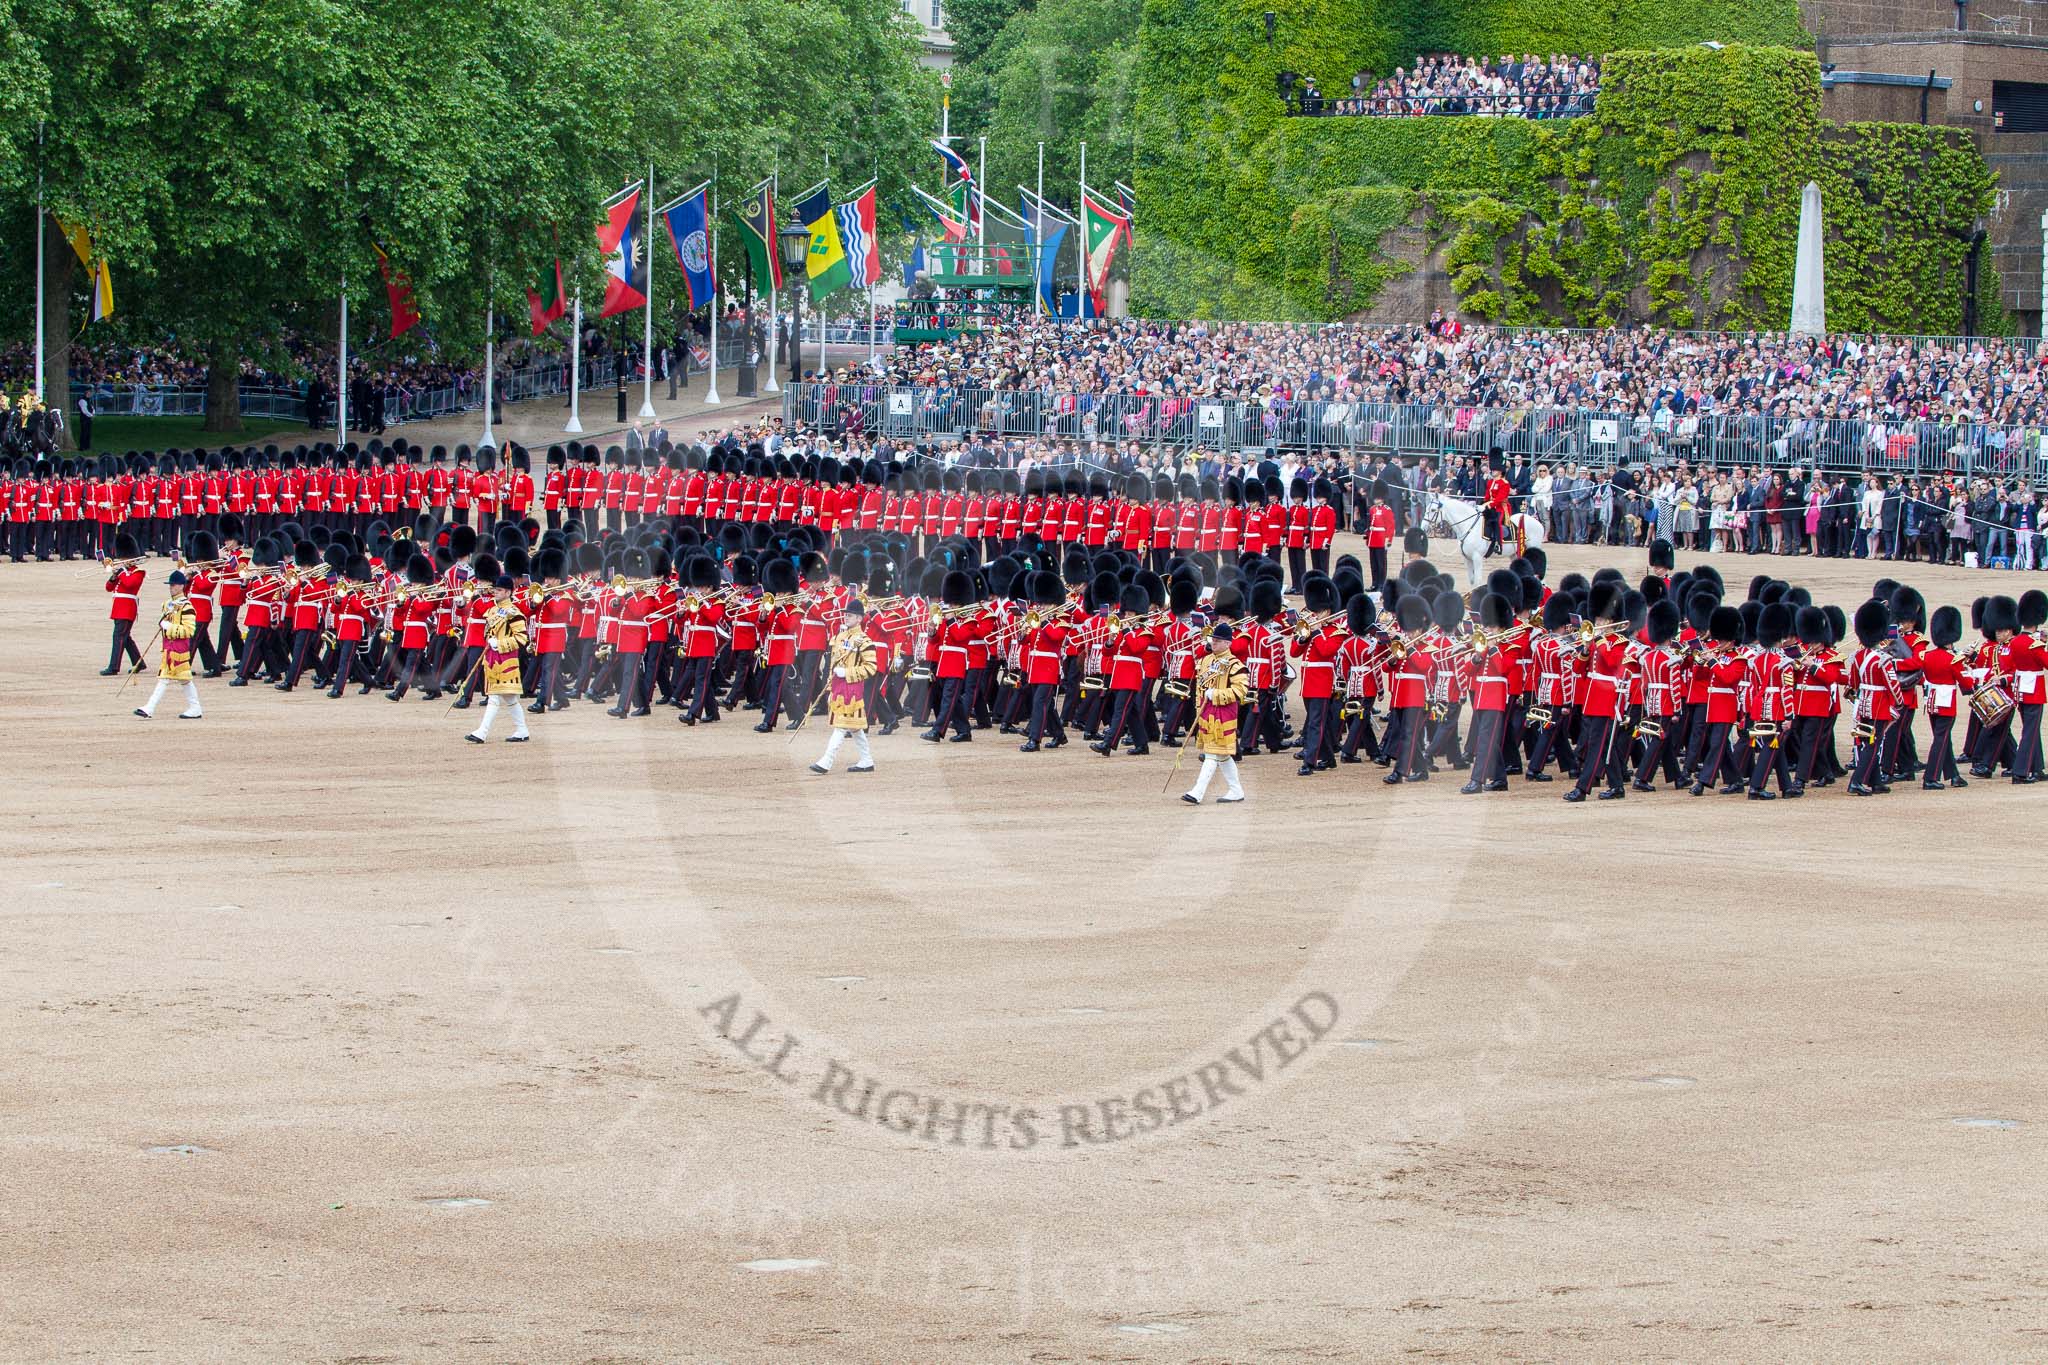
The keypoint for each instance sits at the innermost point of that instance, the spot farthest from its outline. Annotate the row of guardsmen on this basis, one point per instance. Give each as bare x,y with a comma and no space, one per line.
1619,684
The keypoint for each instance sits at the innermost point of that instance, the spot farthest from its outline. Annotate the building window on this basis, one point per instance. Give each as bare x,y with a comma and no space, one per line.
2019,107
938,14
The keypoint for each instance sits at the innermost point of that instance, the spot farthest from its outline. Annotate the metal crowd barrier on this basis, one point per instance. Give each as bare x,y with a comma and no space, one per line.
1539,435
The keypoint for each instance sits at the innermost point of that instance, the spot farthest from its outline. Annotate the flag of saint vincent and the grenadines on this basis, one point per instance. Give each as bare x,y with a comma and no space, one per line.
689,224
625,286
757,230
826,266
857,238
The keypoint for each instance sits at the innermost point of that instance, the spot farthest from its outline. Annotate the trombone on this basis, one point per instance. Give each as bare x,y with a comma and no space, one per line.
1306,626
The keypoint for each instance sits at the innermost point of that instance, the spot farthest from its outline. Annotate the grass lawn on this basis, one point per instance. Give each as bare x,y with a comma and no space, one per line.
119,435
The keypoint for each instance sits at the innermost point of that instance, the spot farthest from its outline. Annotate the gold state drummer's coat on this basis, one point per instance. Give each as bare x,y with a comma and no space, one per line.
504,638
854,653
1221,687
179,625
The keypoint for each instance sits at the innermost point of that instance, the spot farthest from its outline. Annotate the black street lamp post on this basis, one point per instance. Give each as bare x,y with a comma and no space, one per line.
795,240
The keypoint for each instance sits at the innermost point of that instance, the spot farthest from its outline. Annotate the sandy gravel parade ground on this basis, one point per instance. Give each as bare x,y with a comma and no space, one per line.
330,1037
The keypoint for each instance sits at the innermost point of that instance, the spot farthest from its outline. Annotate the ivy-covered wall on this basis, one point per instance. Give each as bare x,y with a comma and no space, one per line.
1677,201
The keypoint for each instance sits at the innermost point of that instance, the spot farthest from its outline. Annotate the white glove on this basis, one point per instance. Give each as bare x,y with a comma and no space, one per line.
839,673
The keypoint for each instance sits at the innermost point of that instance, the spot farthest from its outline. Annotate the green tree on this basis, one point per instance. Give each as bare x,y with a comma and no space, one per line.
974,24
1063,73
235,156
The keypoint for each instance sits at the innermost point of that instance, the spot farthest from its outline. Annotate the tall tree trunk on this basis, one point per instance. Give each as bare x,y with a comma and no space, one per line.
223,396
58,265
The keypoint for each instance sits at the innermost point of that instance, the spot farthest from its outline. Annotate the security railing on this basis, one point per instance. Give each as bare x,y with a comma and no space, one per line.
1581,436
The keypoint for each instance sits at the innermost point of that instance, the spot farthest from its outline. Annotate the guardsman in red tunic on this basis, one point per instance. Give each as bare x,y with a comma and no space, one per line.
1721,673
1379,533
231,591
124,582
590,498
351,625
744,617
1127,647
465,670
1941,675
70,504
1317,645
1606,659
1879,697
632,635
1262,645
703,617
1909,619
814,636
957,632
1661,697
2026,663
1046,636
1770,704
308,604
1490,687
1181,645
1359,664
552,489
1322,525
412,618
554,615
781,620
1011,518
1413,666
1817,676
1293,529
264,648
202,591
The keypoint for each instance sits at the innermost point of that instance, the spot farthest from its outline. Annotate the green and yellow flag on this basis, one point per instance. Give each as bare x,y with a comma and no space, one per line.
826,266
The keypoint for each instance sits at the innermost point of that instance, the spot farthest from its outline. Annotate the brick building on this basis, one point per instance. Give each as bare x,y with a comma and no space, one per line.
1977,64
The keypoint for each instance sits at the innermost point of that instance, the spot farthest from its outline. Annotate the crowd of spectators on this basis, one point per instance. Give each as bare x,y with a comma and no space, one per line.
1527,86
1669,381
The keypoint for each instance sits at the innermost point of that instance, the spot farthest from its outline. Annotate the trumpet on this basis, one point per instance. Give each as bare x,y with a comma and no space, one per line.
114,566
205,564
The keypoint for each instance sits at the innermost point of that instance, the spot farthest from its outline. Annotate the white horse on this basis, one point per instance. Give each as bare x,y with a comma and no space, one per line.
1465,523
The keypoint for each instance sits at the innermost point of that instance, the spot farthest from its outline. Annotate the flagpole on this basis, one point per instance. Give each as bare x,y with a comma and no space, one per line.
981,225
488,441
341,374
711,397
575,427
1038,211
647,339
774,264
39,260
1081,243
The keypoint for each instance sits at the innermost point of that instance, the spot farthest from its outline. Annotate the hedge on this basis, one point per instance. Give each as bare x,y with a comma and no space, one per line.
1676,201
